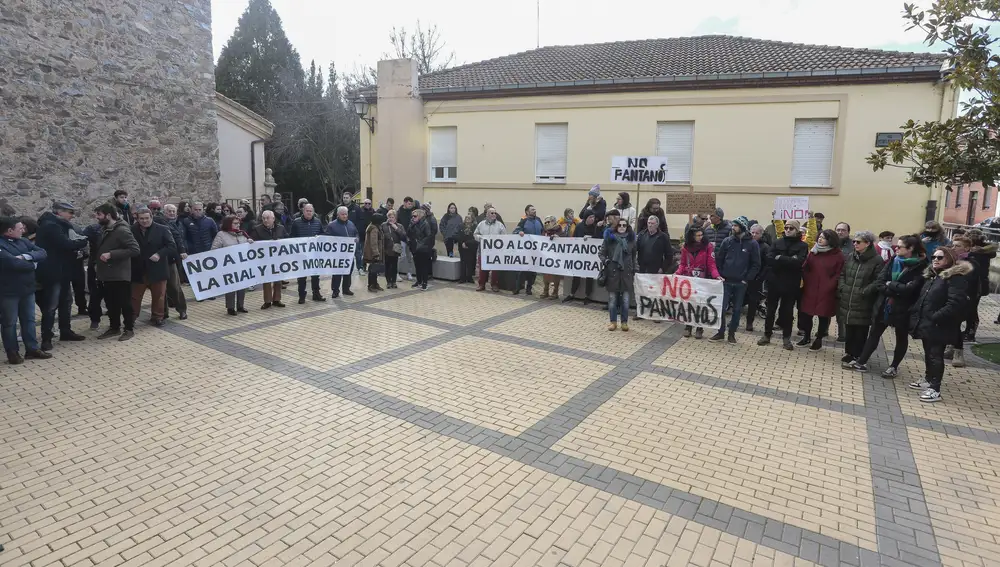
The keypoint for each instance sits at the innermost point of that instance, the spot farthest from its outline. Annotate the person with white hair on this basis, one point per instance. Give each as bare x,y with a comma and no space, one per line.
344,227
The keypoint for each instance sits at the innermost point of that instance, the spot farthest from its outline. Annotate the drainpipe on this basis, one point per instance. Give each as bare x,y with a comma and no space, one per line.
253,171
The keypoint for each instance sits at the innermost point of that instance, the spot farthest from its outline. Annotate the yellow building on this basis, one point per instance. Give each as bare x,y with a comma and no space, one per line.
748,120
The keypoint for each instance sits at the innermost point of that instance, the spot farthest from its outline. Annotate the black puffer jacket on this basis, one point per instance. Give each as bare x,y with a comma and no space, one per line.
784,261
940,308
53,236
982,255
901,293
420,237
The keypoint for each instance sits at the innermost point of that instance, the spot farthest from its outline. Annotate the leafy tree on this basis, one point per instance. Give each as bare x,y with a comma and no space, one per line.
964,149
258,66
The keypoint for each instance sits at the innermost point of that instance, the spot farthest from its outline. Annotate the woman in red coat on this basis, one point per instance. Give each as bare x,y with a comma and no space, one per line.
819,290
697,261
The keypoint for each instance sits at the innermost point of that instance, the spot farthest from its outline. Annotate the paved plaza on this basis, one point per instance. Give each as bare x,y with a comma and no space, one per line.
449,427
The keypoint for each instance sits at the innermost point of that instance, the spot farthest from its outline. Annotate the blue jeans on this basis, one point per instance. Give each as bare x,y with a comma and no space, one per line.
732,292
56,297
618,301
11,310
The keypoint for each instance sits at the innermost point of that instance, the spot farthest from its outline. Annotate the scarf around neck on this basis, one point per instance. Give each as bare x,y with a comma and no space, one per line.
819,249
899,264
618,255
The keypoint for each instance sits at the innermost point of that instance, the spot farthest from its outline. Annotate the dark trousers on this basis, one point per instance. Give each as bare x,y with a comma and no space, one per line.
422,264
468,268
806,324
856,337
934,363
784,305
391,269
235,299
118,296
55,297
875,335
529,277
302,286
753,299
78,282
96,296
175,294
732,293
972,320
372,279
588,287
338,282
449,246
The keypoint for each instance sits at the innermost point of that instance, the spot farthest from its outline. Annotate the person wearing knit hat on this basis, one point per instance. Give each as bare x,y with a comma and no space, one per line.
738,261
718,228
596,206
785,260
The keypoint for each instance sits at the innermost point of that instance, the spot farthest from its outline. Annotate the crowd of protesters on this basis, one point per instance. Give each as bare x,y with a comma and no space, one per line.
921,285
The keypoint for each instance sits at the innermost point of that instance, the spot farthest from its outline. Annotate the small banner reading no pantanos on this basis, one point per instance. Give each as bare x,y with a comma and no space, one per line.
680,299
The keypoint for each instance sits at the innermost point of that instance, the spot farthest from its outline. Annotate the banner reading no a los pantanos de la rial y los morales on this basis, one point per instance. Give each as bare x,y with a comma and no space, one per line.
690,301
541,254
233,268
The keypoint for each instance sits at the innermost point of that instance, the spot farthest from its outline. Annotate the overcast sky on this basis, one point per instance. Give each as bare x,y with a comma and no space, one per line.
354,33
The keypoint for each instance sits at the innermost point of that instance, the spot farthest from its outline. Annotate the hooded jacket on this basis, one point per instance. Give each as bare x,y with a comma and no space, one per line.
982,255
17,275
116,239
373,251
940,308
531,225
53,236
737,258
700,264
598,209
857,289
200,233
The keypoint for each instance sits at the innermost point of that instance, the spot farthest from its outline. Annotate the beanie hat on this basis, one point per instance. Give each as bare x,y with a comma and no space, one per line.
595,191
743,222
794,224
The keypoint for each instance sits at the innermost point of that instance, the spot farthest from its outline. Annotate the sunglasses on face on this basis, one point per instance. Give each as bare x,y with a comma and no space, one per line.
859,241
622,225
936,257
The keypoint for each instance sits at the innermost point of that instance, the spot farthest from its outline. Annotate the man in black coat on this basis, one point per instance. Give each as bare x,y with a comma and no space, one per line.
784,282
175,295
56,272
151,269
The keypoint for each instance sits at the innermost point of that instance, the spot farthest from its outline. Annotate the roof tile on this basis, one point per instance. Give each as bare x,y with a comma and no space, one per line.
674,57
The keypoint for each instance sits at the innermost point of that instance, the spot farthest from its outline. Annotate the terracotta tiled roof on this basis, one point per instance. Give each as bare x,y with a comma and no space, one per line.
709,55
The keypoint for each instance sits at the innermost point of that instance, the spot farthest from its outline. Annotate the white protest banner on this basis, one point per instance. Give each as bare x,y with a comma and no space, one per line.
689,301
650,170
530,253
791,208
233,268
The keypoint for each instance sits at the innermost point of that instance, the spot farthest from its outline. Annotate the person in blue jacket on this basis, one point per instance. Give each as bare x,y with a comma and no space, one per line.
306,226
738,260
530,224
57,236
199,230
342,226
18,260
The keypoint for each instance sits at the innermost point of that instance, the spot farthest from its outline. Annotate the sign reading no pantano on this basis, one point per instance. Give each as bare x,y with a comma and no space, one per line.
689,301
635,169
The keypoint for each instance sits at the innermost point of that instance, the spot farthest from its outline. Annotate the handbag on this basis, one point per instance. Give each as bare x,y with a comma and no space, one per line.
602,276
376,269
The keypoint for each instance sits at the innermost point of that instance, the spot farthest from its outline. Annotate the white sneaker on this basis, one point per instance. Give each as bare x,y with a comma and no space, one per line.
930,396
890,372
921,385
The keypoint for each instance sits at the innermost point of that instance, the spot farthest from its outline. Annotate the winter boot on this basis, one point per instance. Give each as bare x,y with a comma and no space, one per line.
959,359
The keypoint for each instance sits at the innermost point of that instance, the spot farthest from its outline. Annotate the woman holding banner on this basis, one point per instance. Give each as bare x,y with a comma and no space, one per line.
697,261
231,235
618,258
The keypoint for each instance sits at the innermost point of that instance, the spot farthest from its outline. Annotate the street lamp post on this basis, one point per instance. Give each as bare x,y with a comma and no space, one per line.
361,108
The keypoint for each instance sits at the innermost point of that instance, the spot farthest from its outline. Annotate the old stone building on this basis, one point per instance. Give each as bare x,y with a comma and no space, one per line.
106,94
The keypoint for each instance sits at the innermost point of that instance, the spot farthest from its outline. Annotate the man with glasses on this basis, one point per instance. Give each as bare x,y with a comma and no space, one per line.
55,273
784,278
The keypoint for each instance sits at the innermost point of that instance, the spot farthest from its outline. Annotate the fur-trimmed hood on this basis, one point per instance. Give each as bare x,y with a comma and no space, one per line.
987,249
961,268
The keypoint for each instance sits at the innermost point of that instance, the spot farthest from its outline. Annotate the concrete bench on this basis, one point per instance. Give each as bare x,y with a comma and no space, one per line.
445,268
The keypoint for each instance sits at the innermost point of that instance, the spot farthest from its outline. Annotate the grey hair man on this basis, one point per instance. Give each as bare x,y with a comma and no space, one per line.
175,295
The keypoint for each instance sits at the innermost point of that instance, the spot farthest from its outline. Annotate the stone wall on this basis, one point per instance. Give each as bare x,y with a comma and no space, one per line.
98,95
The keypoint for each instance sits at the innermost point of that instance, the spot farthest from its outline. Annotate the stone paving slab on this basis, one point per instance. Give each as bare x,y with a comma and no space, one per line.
482,430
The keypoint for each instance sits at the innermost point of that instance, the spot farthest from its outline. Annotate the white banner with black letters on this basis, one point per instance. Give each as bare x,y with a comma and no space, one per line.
680,299
530,253
233,268
645,170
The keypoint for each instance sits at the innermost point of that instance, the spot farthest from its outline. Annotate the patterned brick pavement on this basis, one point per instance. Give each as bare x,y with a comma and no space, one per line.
449,427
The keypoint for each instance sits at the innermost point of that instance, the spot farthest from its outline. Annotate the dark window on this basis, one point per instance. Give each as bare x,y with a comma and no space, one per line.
958,196
986,197
947,197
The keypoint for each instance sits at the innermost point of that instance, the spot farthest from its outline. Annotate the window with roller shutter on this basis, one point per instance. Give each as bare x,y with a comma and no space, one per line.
550,153
812,152
444,154
674,141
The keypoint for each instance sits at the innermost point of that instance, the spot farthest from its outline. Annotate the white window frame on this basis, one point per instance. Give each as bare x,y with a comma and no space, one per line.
547,142
441,157
675,141
813,145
